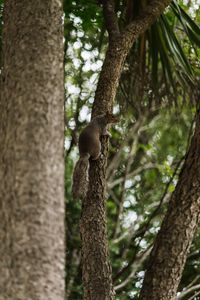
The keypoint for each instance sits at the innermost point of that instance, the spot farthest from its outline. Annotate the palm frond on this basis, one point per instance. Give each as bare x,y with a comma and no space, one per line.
169,63
192,30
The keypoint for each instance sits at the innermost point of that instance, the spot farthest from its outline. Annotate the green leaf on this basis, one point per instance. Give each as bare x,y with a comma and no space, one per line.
175,48
154,55
194,38
191,28
166,64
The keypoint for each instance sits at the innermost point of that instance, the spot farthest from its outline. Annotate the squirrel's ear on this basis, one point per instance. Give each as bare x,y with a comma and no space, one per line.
111,118
115,119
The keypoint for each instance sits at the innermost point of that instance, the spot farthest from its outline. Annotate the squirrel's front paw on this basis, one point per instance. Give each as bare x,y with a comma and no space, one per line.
101,156
109,134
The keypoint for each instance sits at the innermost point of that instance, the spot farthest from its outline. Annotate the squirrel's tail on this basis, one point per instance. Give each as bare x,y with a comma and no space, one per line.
80,177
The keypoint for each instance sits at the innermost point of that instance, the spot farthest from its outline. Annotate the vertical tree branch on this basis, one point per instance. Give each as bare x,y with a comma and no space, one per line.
96,267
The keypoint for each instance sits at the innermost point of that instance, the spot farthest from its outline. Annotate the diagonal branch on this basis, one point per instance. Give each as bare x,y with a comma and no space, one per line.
132,174
118,50
194,296
147,17
188,291
136,265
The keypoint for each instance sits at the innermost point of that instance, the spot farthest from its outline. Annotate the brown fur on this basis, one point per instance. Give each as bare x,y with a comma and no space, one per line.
89,146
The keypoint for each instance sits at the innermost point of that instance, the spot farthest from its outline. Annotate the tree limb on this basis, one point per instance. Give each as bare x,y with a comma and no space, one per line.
110,18
145,19
194,296
135,267
188,291
132,174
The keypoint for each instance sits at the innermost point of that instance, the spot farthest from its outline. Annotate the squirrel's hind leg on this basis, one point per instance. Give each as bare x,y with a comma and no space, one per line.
96,154
95,157
106,132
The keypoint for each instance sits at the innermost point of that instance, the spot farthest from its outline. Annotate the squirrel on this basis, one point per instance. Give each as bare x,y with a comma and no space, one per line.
89,147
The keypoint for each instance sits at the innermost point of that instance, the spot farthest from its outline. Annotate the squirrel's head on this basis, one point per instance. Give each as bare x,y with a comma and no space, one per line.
110,118
104,119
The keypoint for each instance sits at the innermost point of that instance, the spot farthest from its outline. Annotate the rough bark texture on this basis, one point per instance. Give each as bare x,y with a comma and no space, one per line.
175,237
119,46
31,152
97,273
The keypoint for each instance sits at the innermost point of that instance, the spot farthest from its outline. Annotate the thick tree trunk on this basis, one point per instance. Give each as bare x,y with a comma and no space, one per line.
175,237
97,275
31,152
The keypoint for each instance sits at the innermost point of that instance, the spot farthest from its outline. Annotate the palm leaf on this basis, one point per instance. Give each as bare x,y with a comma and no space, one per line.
192,30
154,55
175,48
164,55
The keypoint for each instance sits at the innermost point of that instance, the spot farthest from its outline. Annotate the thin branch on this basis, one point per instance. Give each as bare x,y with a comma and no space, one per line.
193,281
120,207
147,17
194,296
122,196
101,38
116,159
110,18
194,255
127,234
142,230
135,267
76,115
155,212
188,291
114,197
133,174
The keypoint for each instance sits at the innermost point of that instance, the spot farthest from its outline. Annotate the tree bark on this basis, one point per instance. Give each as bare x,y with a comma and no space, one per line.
31,152
97,275
172,244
